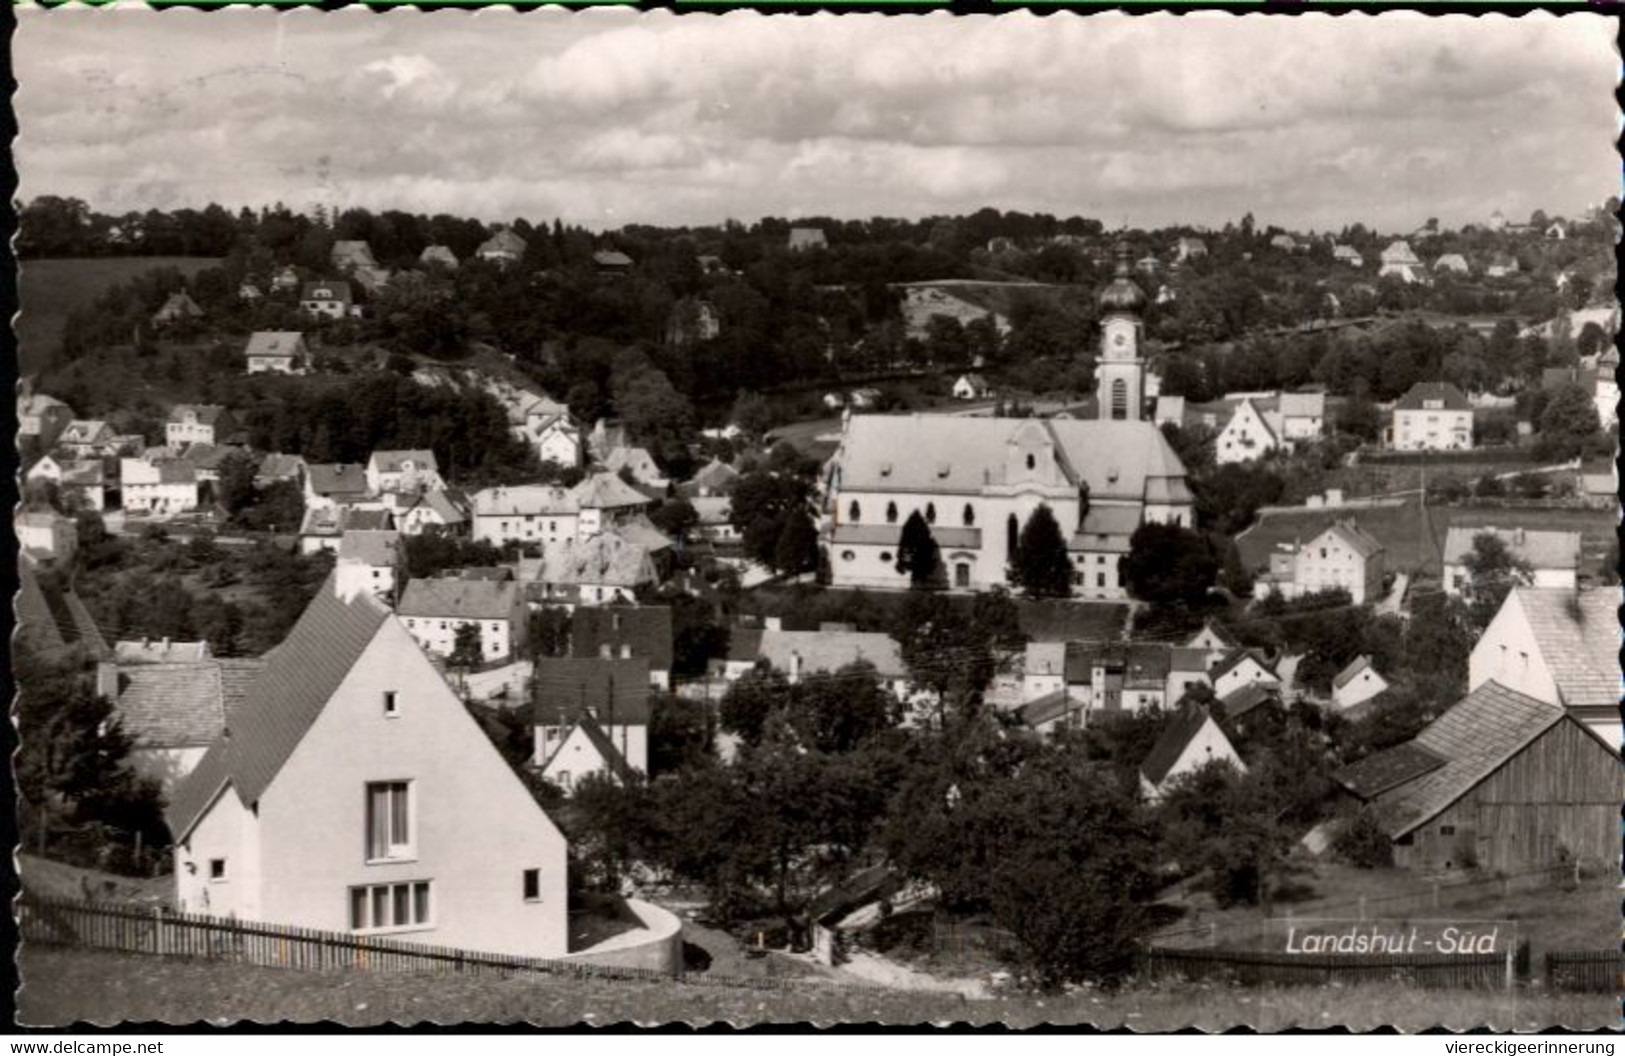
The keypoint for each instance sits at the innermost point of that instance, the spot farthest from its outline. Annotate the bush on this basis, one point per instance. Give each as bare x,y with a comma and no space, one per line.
1363,843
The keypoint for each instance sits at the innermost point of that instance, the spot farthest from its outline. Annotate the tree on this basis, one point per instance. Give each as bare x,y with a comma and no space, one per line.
466,651
918,555
949,653
675,517
235,489
1169,565
753,416
797,548
679,734
1567,423
1222,823
1041,567
750,700
1492,571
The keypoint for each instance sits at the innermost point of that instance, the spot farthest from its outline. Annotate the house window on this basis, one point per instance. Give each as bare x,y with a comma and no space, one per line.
891,513
379,907
533,885
217,868
1100,579
1447,830
389,821
392,706
854,513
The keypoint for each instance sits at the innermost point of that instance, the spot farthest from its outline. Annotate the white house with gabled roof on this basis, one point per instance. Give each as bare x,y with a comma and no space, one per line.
425,832
1357,683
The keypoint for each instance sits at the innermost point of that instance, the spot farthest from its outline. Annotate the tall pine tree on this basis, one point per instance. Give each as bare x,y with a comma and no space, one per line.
919,556
1041,567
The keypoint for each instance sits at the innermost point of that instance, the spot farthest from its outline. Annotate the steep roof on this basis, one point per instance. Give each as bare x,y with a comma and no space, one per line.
335,290
1540,549
615,690
606,491
1354,537
503,242
280,467
715,475
284,343
1474,738
646,629
147,651
1424,391
395,461
1240,701
1352,671
953,454
605,559
1302,405
470,599
1049,707
1376,774
1181,730
336,478
438,255
605,748
611,258
1236,657
299,678
377,548
524,500
1578,634
181,704
206,413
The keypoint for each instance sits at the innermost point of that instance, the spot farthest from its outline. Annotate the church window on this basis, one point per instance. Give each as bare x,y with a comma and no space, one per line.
854,513
1119,399
891,513
1031,462
1010,532
970,516
930,513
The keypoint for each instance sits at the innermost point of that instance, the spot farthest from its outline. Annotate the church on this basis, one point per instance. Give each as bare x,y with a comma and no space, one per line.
976,481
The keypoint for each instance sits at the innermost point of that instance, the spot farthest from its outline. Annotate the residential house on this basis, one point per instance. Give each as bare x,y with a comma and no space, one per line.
1598,382
1357,683
277,468
370,561
863,399
1454,263
179,308
277,352
163,651
805,238
1300,416
691,321
324,527
1054,712
604,501
164,487
551,434
249,290
41,419
434,609
172,710
1246,436
425,833
601,569
714,521
715,478
977,481
354,258
438,256
1432,416
1560,647
285,280
1553,557
438,510
625,632
1401,261
1557,231
79,483
816,654
590,716
1240,669
607,434
408,471
1190,741
47,535
1342,557
208,458
504,248
330,484
972,387
1148,265
1214,641
205,423
87,438
525,513
639,463
1501,782
1501,266
1285,243
1348,255
612,262
329,299
1189,249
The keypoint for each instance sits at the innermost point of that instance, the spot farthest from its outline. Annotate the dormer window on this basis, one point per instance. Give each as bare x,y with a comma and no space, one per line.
891,513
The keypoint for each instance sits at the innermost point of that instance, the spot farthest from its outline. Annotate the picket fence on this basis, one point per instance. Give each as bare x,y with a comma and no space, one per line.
1246,968
153,930
1591,971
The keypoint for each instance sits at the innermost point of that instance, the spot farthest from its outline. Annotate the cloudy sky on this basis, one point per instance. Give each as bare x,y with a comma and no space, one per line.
610,117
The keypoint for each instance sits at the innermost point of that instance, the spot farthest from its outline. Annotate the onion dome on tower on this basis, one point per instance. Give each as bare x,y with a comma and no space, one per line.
1122,294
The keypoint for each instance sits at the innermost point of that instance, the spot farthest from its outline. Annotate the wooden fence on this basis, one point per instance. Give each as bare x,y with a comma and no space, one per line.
1433,970
1594,971
129,928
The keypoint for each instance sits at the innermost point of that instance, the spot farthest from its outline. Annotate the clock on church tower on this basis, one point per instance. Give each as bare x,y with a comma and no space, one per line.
1119,371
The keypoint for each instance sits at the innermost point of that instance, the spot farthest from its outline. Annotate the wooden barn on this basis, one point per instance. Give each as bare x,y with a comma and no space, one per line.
1501,781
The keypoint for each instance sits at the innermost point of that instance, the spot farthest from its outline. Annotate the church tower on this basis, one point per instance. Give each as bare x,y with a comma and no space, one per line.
1120,371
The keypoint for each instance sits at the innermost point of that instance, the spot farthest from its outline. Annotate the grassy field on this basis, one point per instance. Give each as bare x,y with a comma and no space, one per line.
50,289
65,986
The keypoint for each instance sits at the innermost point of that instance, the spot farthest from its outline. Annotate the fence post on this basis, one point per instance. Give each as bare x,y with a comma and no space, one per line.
1511,948
158,930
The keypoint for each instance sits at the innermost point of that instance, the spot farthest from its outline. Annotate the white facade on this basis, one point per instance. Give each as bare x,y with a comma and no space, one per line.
1209,745
188,427
568,755
1331,562
1244,672
1433,428
1358,688
1245,437
480,865
162,487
